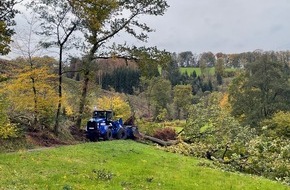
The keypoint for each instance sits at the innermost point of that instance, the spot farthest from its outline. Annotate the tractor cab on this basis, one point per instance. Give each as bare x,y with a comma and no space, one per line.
106,115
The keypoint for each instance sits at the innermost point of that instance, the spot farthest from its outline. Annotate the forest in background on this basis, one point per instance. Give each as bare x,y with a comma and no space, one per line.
234,111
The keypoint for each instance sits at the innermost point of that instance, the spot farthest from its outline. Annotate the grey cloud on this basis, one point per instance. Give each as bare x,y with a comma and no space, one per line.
220,26
223,25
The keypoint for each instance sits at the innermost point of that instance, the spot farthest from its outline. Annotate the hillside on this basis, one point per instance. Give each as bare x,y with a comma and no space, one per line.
7,69
117,165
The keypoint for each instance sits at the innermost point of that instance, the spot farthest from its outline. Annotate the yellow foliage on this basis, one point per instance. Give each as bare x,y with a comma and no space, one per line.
20,92
118,105
7,130
224,102
69,110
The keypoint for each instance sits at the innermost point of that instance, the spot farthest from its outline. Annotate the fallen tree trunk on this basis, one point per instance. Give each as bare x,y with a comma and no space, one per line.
139,135
159,141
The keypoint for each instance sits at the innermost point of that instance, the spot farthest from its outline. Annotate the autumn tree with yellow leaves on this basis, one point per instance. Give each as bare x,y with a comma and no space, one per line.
32,96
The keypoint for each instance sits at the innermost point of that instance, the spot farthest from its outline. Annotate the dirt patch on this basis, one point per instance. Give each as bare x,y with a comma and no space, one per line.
78,134
44,139
48,139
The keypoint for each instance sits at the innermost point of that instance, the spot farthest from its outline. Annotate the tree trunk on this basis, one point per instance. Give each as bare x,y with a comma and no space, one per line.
83,100
178,112
87,62
35,111
56,126
139,135
161,142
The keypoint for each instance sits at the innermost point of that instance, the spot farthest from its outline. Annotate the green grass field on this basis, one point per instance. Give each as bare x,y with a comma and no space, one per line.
190,70
211,70
117,165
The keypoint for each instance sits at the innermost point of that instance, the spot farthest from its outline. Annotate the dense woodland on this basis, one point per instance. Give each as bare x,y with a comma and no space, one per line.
233,109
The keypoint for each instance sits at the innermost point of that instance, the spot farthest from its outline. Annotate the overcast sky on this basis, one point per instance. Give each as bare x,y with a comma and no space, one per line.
228,26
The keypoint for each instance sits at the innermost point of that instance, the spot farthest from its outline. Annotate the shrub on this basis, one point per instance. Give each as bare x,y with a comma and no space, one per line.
162,115
147,127
269,157
7,129
278,125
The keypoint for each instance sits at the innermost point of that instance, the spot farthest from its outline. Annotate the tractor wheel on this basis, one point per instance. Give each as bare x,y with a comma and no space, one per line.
108,135
121,134
93,137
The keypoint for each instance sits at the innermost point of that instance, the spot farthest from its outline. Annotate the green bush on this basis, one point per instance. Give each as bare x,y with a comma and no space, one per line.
210,124
269,157
148,127
278,125
162,115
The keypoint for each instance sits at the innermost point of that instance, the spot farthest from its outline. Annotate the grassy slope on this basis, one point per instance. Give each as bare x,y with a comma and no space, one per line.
133,165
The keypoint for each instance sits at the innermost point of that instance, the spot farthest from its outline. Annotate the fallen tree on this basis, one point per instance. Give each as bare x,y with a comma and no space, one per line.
139,135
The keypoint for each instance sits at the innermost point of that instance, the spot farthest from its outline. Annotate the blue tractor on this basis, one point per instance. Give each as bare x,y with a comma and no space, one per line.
102,126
